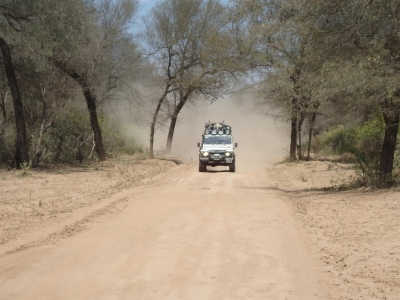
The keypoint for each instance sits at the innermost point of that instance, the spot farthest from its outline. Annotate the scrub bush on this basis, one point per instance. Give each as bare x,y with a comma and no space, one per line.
363,143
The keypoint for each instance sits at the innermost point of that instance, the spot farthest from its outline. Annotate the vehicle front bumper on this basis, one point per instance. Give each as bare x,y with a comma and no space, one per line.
217,161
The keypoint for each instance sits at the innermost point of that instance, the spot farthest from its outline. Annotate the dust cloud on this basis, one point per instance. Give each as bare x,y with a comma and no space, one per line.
262,141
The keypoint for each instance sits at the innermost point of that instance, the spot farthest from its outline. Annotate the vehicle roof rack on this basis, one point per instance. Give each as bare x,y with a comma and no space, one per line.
217,128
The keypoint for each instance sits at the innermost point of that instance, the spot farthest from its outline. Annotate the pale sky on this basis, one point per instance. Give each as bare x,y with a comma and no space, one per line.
145,6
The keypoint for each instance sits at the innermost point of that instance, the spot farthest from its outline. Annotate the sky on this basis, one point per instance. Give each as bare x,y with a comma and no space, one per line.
146,6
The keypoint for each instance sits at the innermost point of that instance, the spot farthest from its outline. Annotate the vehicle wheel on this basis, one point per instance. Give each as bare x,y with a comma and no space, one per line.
202,167
232,168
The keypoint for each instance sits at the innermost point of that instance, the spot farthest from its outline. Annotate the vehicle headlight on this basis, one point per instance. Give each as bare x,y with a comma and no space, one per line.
227,154
204,153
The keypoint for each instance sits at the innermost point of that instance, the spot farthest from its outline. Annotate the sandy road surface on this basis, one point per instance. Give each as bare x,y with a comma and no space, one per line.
214,235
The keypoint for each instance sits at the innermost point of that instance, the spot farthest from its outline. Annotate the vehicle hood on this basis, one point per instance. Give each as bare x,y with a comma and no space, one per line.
217,147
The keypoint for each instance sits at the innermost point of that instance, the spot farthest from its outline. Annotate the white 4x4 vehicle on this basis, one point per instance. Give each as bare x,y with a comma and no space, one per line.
217,147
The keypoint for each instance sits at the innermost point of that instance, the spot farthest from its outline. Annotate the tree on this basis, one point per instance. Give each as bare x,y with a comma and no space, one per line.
190,42
279,46
103,55
360,43
154,119
89,41
47,91
21,141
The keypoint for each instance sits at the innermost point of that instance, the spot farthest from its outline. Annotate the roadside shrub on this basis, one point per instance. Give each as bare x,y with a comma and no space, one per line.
70,138
336,140
363,143
114,142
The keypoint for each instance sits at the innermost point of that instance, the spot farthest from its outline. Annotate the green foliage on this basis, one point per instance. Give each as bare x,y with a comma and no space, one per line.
68,139
336,140
362,142
95,39
370,137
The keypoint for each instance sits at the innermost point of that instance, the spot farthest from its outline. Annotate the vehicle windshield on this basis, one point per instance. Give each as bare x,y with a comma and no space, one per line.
217,140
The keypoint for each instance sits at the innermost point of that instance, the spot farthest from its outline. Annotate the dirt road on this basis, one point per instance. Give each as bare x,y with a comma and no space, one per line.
214,235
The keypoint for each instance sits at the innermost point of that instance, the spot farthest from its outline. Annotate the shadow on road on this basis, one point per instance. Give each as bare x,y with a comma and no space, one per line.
217,171
325,190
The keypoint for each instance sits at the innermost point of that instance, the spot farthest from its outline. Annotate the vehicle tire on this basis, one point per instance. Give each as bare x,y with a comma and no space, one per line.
232,168
202,167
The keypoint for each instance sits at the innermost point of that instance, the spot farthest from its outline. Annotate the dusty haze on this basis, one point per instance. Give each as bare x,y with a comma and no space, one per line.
261,139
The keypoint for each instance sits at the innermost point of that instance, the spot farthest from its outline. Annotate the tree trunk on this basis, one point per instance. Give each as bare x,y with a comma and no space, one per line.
174,118
171,131
293,138
154,121
3,148
94,122
92,107
311,122
299,129
4,153
295,110
389,145
21,143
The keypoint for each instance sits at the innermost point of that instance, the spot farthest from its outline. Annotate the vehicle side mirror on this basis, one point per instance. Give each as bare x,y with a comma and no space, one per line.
198,145
236,144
